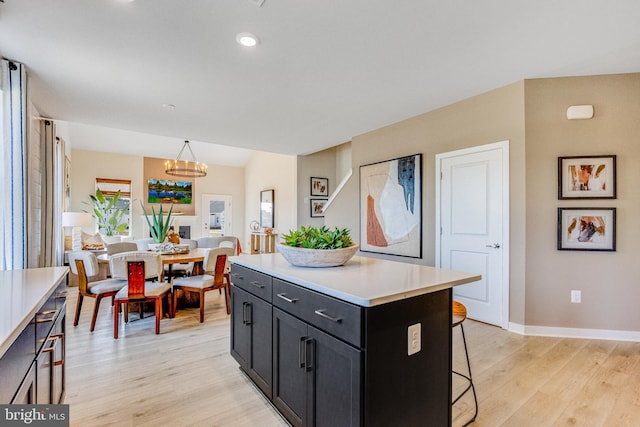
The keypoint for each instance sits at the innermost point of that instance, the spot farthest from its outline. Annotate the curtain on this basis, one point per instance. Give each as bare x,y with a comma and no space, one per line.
47,236
13,204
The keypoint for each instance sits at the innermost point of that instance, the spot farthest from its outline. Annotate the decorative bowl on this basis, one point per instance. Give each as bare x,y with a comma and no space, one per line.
303,257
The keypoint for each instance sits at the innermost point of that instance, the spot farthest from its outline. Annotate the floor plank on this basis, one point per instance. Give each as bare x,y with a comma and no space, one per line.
186,377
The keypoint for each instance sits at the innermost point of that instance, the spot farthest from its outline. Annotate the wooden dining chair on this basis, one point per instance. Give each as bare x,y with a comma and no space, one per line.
144,283
214,277
85,265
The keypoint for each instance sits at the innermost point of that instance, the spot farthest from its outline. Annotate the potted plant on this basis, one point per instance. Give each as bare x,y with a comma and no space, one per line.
110,215
318,247
160,227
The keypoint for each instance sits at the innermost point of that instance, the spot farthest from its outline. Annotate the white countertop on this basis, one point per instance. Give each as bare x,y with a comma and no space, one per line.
362,281
22,293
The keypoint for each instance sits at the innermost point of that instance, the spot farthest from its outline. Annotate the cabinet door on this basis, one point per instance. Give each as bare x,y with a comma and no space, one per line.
26,394
58,379
335,368
240,330
251,337
290,376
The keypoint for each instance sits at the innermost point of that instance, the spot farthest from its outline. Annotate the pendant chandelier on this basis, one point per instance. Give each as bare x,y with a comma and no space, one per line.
185,168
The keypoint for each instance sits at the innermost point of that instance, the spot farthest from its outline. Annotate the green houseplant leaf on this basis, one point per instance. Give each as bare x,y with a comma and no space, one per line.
110,217
318,238
160,228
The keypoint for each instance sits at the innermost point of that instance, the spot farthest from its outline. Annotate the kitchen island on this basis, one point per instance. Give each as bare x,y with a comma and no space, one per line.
367,343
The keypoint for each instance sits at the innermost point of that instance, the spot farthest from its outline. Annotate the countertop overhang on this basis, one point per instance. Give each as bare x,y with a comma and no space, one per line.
22,293
366,282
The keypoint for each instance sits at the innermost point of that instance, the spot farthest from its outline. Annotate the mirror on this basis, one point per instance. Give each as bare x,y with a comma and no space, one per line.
266,208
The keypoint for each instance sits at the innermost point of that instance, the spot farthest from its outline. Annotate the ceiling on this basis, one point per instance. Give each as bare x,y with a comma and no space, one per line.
323,72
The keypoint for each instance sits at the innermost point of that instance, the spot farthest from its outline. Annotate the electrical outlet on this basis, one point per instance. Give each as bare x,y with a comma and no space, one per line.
576,297
414,339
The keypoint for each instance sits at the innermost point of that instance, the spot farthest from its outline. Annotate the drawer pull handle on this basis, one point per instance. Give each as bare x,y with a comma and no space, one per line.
289,300
321,313
236,275
54,314
257,284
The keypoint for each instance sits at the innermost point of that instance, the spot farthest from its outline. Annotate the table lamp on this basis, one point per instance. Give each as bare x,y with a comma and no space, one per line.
76,220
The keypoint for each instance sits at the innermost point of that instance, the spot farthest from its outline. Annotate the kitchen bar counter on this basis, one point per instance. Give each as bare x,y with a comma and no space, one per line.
366,282
22,293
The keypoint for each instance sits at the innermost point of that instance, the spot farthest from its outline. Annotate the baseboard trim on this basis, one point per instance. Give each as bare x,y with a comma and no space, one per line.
596,334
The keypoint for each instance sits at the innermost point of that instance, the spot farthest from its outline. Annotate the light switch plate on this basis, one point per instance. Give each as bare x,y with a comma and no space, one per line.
414,339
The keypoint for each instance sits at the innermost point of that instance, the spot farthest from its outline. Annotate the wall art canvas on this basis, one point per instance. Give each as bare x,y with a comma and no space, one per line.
587,177
168,191
587,229
391,207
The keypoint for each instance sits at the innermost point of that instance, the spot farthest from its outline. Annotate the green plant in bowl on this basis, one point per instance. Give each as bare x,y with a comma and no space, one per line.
160,228
318,238
317,247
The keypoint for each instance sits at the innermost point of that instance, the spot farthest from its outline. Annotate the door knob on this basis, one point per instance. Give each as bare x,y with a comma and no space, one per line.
494,246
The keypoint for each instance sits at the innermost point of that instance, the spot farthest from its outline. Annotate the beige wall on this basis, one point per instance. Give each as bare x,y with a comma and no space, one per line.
266,171
322,165
491,117
86,166
608,280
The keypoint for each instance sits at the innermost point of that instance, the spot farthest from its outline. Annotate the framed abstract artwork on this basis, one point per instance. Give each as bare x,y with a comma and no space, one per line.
587,229
317,207
391,207
587,177
319,186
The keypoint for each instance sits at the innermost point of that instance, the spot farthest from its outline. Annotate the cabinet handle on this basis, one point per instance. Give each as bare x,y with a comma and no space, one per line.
309,352
257,284
321,313
302,353
289,300
237,276
54,341
54,313
246,313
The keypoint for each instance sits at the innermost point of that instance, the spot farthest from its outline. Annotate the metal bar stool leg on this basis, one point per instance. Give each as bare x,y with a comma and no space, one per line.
459,315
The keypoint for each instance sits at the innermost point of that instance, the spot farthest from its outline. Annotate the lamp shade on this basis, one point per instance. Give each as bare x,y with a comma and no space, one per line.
76,219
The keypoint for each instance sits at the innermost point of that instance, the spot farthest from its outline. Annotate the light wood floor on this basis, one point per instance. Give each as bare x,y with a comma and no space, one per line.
186,377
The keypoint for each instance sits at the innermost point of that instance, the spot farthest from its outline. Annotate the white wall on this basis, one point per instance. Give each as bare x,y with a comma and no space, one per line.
266,171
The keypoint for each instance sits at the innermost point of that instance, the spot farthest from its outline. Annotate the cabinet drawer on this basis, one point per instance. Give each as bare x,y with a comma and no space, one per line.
338,318
251,281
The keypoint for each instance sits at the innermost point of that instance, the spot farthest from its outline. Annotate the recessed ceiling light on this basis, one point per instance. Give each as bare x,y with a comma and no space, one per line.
247,39
169,106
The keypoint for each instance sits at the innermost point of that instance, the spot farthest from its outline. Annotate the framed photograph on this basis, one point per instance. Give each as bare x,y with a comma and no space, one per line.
587,177
587,229
266,208
317,207
391,207
320,186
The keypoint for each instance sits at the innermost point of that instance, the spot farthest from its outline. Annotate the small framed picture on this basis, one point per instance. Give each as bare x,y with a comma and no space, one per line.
320,186
587,177
317,207
587,229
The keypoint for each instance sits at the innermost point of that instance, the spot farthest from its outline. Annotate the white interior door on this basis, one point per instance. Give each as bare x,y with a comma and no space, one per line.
474,226
216,215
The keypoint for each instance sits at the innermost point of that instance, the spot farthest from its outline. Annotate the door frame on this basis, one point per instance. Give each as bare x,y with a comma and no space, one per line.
504,146
228,199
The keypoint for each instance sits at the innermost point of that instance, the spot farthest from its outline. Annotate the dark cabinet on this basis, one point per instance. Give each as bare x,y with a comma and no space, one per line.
316,377
334,363
33,369
251,336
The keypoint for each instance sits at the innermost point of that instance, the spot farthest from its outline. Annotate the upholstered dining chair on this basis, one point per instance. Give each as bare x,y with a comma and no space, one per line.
85,265
116,248
150,289
216,242
214,277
